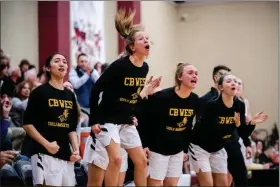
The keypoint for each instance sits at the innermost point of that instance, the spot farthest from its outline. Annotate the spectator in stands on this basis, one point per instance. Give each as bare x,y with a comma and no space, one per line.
23,66
82,78
31,76
9,85
7,157
98,67
5,107
4,73
268,156
20,103
11,136
41,76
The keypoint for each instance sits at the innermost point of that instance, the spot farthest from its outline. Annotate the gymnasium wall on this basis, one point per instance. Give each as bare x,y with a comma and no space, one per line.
160,20
19,30
111,35
243,36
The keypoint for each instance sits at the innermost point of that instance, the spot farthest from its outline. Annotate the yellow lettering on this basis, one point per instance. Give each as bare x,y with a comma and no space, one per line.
55,102
126,81
222,120
173,112
229,120
61,102
131,81
226,136
50,103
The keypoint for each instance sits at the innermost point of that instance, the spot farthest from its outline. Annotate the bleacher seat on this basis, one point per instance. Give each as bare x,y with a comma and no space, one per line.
24,170
81,174
9,176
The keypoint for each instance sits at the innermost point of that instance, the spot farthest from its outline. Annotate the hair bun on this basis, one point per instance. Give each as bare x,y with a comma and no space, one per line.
179,64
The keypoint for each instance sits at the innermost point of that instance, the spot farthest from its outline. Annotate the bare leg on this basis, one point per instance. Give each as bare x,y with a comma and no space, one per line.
115,160
140,165
121,178
220,179
205,178
171,181
154,182
95,175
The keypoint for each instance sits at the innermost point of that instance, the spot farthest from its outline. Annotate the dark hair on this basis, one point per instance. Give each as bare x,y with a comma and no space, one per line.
41,72
126,28
31,66
218,68
96,65
179,72
81,54
20,86
104,67
48,64
24,62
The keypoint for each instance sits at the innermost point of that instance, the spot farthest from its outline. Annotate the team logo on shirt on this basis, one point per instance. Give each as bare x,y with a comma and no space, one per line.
64,116
183,122
136,95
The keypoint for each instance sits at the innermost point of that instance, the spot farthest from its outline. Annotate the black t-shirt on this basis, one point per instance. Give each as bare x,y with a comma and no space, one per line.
237,132
54,114
217,125
120,85
166,120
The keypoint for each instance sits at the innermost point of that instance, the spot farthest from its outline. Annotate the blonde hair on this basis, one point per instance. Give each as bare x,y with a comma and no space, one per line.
126,28
179,72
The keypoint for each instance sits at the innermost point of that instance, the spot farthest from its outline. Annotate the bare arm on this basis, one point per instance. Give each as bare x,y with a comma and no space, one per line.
249,114
33,133
74,140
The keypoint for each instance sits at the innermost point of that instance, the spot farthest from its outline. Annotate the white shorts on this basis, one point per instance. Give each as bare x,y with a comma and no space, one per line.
96,154
161,166
207,162
126,135
54,171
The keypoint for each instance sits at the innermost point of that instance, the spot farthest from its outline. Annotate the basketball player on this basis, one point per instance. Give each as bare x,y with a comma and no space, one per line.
216,125
169,115
51,120
240,169
236,165
113,120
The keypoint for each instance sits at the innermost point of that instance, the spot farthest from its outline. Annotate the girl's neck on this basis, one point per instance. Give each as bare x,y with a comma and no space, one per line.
227,100
137,60
183,91
217,87
56,83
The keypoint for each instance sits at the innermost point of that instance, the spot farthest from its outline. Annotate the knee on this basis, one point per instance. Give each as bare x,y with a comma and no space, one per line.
116,160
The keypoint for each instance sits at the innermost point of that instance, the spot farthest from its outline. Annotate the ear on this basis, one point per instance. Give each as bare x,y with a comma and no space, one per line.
132,47
216,78
47,69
